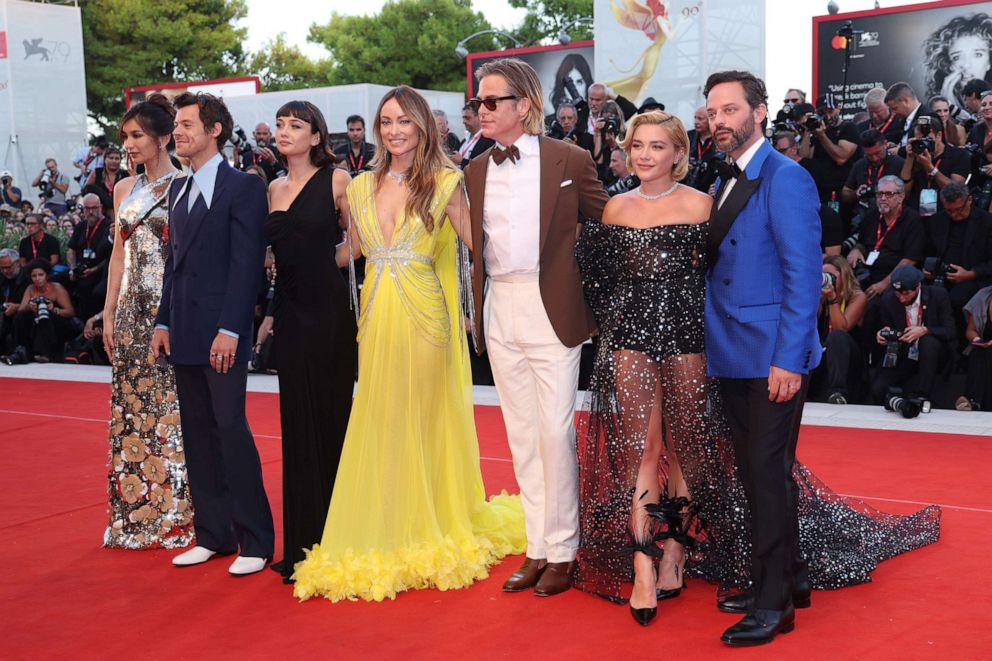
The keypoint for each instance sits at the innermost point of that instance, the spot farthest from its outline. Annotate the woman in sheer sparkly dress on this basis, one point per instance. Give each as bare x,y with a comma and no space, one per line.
655,456
148,490
409,508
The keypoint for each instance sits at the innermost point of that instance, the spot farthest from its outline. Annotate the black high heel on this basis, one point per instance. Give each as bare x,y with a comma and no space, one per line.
643,616
675,513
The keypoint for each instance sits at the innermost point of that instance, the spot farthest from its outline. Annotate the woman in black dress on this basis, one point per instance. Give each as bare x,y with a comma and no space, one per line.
312,326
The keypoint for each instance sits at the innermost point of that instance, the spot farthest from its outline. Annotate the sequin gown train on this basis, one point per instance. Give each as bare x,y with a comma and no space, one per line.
646,287
314,336
409,508
147,486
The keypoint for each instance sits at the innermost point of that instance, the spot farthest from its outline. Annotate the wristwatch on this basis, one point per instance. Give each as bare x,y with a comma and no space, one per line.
934,172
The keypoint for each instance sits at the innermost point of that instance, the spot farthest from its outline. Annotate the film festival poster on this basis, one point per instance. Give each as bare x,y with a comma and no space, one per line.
936,49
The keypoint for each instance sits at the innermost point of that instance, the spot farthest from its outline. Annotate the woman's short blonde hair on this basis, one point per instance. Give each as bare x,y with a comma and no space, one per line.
522,82
676,133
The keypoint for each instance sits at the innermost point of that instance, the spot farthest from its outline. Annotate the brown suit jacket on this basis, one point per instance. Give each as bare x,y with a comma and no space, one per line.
561,208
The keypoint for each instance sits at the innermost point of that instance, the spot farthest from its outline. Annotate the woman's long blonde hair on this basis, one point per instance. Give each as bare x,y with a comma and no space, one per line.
429,160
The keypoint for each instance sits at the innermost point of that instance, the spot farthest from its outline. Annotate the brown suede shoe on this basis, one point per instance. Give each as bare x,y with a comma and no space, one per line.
557,578
527,576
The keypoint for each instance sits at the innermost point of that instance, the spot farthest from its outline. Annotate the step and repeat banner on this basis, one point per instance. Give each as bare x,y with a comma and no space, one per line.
936,48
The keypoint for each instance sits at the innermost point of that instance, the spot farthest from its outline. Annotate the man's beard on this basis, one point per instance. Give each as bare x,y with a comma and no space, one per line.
738,137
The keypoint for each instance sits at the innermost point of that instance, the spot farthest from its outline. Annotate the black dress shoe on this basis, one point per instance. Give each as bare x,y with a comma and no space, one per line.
741,602
643,616
671,593
760,626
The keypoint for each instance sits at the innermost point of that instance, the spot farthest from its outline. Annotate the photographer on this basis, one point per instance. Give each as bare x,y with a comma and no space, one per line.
598,96
981,131
9,193
881,118
859,189
88,159
830,144
53,186
831,225
44,322
954,133
959,248
102,180
13,282
626,180
917,333
449,141
475,143
37,244
904,104
930,165
87,254
891,235
609,126
357,154
264,154
978,384
842,371
566,127
702,153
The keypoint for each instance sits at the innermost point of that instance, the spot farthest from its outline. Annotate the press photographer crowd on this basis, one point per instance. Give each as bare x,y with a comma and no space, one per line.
905,189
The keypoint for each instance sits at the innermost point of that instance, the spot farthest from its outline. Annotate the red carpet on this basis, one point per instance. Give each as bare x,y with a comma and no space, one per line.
62,595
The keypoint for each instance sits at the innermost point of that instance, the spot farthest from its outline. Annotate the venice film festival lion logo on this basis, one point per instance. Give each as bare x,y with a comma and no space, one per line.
47,50
34,47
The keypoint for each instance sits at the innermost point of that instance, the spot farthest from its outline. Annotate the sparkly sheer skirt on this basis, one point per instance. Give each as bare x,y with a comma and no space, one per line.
649,389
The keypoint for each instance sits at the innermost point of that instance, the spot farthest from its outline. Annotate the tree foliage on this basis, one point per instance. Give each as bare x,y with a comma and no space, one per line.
410,41
281,66
128,43
545,18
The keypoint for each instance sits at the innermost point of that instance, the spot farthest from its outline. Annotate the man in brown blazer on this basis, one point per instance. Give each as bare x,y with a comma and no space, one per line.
527,195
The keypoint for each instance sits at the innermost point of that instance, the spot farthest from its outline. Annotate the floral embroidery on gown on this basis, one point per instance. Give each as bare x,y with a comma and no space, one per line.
409,508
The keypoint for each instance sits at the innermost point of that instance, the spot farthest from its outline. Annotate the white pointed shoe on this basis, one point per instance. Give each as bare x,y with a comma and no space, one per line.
195,556
244,566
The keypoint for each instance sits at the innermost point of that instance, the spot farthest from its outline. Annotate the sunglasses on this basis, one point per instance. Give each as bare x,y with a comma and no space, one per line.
792,101
886,193
489,102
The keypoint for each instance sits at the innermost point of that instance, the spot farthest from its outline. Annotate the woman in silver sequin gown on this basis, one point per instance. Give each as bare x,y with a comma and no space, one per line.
149,500
644,277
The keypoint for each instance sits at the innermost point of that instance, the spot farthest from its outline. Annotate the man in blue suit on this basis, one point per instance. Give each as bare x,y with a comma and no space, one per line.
204,325
762,292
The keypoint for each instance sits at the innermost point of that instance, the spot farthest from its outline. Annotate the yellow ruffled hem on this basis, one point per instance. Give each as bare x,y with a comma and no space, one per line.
498,531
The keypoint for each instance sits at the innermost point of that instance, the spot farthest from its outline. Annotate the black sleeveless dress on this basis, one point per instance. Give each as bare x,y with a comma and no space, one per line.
314,335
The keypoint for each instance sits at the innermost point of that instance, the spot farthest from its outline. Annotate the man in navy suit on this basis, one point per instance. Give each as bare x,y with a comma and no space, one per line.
762,292
204,325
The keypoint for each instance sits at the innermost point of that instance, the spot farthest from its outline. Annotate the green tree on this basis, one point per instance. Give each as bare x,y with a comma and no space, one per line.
129,43
545,18
281,66
410,41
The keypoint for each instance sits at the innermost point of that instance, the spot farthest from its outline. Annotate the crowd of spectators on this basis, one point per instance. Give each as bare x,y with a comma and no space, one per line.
905,214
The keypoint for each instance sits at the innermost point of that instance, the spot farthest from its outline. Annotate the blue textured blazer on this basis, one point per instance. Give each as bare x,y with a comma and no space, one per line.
213,272
763,283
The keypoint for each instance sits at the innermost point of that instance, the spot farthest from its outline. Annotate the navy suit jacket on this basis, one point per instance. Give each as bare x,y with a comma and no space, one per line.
763,284
214,268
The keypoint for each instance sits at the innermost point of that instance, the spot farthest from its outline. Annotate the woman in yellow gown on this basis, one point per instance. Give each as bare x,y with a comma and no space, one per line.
409,509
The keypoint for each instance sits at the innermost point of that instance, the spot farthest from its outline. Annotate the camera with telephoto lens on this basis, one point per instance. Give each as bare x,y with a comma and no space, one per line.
702,170
43,312
789,118
982,197
829,281
557,131
611,124
246,153
45,185
814,122
891,337
866,193
908,407
938,268
920,145
923,123
577,100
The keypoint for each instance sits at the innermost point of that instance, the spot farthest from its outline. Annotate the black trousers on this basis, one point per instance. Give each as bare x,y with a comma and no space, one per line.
913,376
765,435
43,338
225,475
845,366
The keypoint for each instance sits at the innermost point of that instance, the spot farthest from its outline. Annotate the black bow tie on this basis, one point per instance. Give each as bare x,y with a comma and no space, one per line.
727,170
500,154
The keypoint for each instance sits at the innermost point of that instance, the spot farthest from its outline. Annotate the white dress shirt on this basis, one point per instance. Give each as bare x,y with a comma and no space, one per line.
742,164
511,218
466,149
908,125
201,182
